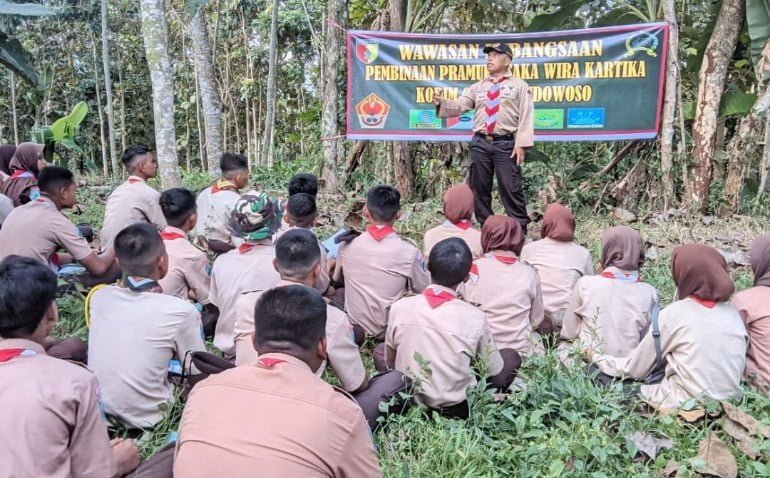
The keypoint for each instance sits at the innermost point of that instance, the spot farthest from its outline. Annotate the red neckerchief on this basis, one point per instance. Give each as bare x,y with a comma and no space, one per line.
8,354
21,173
380,232
506,259
434,299
246,247
171,235
223,185
622,276
133,180
270,362
709,304
463,224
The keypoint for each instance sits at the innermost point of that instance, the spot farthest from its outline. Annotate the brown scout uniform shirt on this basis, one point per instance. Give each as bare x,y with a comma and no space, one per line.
559,265
133,336
214,209
452,337
131,202
341,347
273,421
705,350
188,268
233,274
51,423
37,230
471,236
516,109
754,307
376,274
609,315
509,295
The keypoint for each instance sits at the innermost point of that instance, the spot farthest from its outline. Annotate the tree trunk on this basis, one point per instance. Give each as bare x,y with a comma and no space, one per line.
713,74
212,106
332,49
13,109
267,143
669,105
105,163
765,164
108,90
403,162
155,33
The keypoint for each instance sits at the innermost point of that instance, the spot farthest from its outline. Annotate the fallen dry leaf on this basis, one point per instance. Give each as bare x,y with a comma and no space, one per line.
691,416
648,444
671,468
744,428
747,421
743,439
717,457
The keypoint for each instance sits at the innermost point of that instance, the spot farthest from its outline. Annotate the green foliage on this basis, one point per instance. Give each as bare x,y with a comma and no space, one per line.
63,131
758,21
14,57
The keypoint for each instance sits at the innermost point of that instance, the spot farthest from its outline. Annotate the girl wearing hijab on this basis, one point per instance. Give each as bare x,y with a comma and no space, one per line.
611,312
6,154
21,186
507,289
702,338
458,210
558,260
754,306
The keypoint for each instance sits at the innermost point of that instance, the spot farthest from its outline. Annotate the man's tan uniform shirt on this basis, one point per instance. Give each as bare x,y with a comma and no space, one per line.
133,336
509,295
51,423
274,421
705,350
214,209
514,117
452,337
376,274
559,265
342,351
132,202
754,307
188,268
471,236
233,274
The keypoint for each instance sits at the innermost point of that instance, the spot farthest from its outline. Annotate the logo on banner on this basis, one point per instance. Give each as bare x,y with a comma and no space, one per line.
464,121
372,111
424,119
585,118
549,118
367,50
642,41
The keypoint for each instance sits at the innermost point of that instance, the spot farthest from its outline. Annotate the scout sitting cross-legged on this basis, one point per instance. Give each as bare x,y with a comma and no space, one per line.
276,417
134,201
52,424
136,330
448,333
215,203
458,210
188,275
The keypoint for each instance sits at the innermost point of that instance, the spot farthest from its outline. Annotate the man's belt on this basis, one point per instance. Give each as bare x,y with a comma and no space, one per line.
496,137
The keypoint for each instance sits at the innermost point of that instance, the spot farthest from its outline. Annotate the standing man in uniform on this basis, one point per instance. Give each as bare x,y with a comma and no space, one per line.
503,128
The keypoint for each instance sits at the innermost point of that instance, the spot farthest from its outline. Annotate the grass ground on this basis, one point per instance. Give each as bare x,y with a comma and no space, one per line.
560,424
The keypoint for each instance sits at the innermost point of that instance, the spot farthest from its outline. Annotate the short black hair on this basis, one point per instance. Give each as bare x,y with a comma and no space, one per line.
130,154
27,290
138,247
232,162
449,262
177,205
291,316
52,178
297,252
303,183
383,202
302,209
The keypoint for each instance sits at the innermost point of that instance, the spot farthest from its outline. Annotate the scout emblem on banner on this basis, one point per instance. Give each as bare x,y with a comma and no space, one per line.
372,111
367,50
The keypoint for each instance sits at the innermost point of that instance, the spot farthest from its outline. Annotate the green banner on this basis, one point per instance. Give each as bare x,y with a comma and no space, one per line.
587,85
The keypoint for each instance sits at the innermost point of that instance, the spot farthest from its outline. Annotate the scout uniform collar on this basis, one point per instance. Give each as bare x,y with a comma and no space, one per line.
380,232
13,348
170,233
135,179
141,284
437,295
620,274
223,185
272,359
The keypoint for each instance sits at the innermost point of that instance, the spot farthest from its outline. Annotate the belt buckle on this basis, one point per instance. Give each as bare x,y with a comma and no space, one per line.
489,137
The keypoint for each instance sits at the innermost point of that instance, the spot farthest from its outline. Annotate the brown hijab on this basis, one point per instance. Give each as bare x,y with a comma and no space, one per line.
760,260
701,271
622,248
24,160
558,223
502,233
6,154
458,203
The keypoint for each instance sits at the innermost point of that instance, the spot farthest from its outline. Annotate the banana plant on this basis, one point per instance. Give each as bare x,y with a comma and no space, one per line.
62,131
12,54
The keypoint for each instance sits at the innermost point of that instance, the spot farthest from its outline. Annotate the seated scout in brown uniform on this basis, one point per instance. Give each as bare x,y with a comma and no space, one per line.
301,183
611,312
249,267
702,338
189,271
754,307
558,260
51,422
38,229
215,203
133,201
276,417
379,265
458,210
136,330
507,289
450,334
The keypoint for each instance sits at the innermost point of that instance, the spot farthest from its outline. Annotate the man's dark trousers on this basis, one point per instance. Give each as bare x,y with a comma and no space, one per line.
492,156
